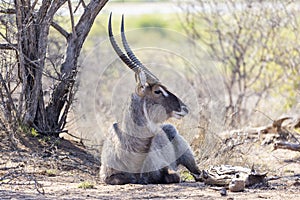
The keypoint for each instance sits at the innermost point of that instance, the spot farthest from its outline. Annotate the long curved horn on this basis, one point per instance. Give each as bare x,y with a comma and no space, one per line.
117,49
151,78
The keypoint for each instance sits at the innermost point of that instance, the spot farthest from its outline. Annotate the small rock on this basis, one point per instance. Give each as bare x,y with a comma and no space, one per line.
237,185
223,192
296,183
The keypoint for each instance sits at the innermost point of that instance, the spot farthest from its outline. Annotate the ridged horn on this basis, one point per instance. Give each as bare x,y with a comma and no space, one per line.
117,49
130,59
151,78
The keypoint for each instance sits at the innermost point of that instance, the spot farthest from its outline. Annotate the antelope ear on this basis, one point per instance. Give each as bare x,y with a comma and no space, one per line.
141,91
141,78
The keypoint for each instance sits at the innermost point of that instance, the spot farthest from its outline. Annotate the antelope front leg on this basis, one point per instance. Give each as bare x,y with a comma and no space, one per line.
170,176
188,160
157,165
164,175
120,179
182,150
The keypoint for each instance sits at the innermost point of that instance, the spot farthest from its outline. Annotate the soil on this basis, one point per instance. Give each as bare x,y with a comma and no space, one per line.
48,168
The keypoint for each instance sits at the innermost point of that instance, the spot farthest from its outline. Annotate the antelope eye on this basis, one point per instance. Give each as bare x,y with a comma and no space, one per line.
157,92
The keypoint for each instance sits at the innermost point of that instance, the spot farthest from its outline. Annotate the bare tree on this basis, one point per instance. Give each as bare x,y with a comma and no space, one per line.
249,40
26,39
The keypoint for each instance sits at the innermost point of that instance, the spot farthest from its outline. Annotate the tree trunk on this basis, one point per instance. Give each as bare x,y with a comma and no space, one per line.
33,31
63,93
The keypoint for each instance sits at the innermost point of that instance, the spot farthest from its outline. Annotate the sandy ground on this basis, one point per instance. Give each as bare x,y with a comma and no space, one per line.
43,171
62,188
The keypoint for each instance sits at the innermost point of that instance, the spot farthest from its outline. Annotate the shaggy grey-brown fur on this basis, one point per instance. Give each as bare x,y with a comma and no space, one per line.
145,150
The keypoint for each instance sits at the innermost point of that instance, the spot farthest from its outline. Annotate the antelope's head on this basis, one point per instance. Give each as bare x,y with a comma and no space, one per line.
159,103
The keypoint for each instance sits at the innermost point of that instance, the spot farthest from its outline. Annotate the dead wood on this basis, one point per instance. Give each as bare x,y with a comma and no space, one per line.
282,129
21,177
226,175
287,145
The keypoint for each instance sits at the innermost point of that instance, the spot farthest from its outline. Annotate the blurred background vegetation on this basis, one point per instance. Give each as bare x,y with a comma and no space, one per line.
241,62
233,62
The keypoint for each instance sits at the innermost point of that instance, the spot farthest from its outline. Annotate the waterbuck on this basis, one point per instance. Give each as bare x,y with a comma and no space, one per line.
141,149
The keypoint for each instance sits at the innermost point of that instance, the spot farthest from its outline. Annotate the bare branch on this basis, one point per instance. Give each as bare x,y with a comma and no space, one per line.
82,29
8,46
60,29
80,2
71,16
9,102
8,11
6,38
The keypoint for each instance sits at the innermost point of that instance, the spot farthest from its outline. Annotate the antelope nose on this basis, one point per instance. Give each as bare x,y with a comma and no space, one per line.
185,109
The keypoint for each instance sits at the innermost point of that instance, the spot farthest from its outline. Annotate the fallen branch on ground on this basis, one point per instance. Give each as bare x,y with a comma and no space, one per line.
231,176
287,145
15,178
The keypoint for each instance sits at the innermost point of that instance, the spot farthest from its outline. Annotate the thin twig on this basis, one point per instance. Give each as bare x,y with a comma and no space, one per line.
8,11
72,17
8,46
10,176
80,2
255,110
